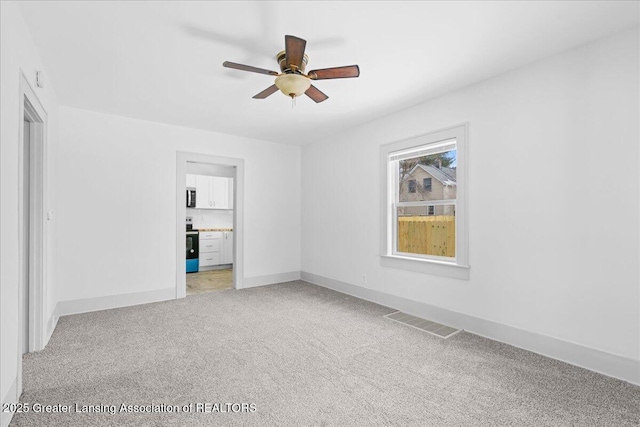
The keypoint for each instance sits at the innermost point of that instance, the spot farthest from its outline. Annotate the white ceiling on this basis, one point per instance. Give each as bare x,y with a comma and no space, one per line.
162,61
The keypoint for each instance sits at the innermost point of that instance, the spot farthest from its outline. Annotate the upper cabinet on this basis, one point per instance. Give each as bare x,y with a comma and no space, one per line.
191,181
219,192
212,192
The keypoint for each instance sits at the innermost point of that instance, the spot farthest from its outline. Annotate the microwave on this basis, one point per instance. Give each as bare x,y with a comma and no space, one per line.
191,198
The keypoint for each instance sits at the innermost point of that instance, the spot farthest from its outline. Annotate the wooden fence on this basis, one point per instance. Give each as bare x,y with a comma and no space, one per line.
428,235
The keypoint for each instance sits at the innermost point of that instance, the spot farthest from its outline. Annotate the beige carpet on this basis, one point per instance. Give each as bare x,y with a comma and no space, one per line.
296,354
208,281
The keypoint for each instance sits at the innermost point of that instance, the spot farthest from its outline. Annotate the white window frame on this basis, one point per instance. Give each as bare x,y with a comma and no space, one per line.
457,267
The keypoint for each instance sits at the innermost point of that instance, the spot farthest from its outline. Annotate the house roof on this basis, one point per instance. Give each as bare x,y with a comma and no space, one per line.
446,176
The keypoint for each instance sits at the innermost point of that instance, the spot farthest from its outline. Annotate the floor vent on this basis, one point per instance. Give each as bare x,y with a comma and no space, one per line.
433,328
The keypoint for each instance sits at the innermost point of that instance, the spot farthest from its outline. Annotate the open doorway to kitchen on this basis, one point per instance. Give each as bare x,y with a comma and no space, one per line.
209,214
209,201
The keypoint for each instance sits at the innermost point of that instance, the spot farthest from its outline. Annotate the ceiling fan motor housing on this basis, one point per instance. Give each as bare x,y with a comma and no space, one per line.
292,82
285,68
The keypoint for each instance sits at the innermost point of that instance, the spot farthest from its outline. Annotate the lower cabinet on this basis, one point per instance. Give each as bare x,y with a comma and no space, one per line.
216,248
227,247
208,259
210,248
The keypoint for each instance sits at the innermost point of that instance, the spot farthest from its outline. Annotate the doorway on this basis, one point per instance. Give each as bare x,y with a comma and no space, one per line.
26,232
31,235
209,222
209,200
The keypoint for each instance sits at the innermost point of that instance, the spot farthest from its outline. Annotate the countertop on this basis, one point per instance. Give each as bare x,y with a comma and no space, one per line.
213,229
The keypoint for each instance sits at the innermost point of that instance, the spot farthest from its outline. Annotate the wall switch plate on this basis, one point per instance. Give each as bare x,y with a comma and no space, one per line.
49,215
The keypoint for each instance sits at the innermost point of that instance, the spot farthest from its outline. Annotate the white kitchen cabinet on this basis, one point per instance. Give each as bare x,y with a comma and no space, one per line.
211,245
210,248
191,181
227,247
203,188
230,193
208,259
216,248
219,192
212,192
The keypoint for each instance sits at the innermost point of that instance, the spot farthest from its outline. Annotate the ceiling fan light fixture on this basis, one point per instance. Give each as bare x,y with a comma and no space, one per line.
292,84
292,81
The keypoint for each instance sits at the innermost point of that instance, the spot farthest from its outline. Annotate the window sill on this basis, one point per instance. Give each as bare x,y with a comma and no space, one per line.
427,266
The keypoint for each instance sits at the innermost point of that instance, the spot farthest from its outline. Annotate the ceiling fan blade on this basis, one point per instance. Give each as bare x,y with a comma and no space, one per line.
268,91
335,73
315,94
294,48
248,68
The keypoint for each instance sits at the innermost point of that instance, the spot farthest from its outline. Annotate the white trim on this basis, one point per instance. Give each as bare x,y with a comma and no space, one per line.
443,202
412,152
252,282
30,107
426,266
389,185
12,396
609,364
51,324
181,212
37,179
107,302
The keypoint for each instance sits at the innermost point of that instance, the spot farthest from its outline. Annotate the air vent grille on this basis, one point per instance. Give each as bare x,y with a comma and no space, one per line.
425,325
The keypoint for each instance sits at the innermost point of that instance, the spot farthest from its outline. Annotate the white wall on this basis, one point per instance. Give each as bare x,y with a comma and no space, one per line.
117,213
18,53
553,199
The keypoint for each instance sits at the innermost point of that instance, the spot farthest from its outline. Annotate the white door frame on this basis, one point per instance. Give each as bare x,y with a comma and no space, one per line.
181,212
32,110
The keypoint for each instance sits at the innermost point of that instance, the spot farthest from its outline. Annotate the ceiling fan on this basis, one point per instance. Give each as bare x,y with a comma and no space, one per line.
292,81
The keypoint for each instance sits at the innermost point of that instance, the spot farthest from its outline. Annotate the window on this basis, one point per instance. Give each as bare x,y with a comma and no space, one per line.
425,226
426,184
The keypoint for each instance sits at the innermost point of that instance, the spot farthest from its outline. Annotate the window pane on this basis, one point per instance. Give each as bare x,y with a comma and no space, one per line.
426,184
431,177
425,234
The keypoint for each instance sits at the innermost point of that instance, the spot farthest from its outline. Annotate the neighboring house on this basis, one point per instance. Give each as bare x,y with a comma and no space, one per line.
428,182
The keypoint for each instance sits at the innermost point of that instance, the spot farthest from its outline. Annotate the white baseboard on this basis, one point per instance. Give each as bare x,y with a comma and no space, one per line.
51,325
86,305
251,282
10,397
612,365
